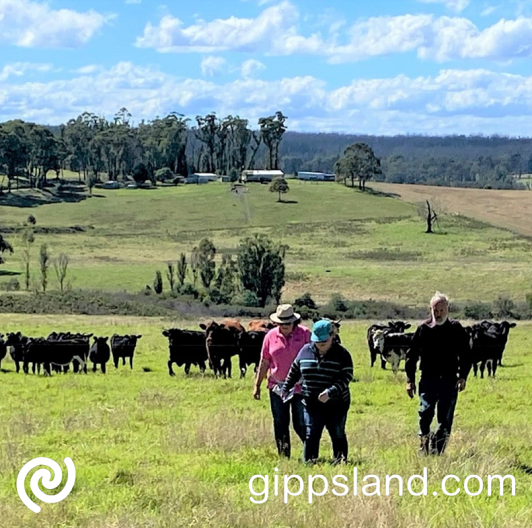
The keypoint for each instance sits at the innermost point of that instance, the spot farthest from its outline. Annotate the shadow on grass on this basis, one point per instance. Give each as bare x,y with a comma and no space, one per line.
5,273
288,201
374,192
46,196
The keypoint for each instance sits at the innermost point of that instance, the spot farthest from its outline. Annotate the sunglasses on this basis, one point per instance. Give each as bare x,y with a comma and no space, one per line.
286,324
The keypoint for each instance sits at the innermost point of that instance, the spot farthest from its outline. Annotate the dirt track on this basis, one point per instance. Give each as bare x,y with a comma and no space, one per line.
509,209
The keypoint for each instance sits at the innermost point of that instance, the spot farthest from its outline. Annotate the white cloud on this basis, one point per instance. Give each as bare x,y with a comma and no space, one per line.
90,68
453,5
453,101
33,24
237,34
212,66
251,67
19,69
274,32
488,10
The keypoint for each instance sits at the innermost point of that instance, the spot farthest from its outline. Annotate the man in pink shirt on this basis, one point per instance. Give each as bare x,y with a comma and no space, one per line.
279,349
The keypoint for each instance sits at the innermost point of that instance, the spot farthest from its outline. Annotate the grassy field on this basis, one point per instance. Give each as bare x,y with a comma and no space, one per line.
153,451
361,244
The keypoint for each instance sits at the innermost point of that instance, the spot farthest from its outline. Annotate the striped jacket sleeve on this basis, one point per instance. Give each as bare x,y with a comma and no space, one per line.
344,378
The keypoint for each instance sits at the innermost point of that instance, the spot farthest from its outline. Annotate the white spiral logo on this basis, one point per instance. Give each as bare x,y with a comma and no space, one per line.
47,482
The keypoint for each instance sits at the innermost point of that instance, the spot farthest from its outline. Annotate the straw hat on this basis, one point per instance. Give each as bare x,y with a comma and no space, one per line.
285,314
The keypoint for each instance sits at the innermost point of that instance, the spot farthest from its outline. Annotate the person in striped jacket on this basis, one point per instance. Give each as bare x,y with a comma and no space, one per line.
325,369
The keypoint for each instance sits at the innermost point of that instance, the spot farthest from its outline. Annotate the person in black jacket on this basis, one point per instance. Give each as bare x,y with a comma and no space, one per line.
325,369
442,346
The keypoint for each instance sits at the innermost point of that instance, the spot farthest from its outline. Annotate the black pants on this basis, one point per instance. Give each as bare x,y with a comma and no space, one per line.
333,417
281,421
439,396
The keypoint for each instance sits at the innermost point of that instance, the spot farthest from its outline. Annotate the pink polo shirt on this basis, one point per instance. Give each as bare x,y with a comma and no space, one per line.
280,352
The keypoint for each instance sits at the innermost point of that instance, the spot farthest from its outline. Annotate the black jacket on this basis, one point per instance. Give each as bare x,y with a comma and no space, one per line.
444,351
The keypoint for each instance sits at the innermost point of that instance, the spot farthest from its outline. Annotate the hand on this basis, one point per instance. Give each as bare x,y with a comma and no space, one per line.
411,389
256,392
461,385
324,397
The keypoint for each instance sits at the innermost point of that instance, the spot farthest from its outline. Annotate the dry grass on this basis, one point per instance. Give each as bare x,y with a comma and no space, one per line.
507,209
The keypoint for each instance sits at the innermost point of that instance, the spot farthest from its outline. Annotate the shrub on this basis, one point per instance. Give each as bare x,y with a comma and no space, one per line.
11,285
305,301
503,306
158,283
337,303
246,298
477,311
188,289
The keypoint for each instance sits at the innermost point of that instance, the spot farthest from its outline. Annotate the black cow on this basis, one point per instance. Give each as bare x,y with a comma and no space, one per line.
250,346
398,327
222,344
186,347
3,349
392,346
99,353
16,343
488,341
123,346
77,344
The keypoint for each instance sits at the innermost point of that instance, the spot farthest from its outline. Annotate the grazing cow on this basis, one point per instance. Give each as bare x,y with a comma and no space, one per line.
488,341
392,346
17,346
3,349
123,346
260,325
99,353
398,327
222,344
250,346
186,347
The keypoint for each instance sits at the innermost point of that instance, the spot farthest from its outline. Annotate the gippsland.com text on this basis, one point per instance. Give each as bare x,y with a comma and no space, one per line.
262,487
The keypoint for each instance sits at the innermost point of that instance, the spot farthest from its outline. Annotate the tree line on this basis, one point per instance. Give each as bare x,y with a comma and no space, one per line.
478,161
165,147
159,149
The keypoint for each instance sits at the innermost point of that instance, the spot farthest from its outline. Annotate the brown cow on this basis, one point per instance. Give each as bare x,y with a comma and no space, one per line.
260,325
221,341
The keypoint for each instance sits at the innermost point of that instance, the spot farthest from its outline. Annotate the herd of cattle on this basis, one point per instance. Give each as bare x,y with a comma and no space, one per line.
218,342
487,341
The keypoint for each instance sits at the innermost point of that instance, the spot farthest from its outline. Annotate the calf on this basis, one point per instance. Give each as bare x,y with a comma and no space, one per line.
124,347
392,346
398,327
250,346
3,349
222,344
100,353
186,347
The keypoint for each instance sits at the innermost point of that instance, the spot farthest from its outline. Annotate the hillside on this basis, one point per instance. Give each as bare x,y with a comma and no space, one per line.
364,245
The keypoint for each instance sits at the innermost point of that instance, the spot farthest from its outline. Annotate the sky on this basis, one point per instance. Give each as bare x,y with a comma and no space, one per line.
381,67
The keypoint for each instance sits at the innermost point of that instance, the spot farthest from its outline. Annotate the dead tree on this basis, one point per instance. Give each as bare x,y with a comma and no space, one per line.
431,217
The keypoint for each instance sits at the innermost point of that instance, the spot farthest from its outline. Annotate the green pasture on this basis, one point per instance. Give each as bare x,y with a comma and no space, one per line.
153,451
340,240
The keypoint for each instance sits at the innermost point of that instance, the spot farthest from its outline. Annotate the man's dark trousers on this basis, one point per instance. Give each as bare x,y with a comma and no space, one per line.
333,417
281,421
437,394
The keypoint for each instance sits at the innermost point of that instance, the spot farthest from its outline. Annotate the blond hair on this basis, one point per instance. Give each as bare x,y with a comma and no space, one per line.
439,297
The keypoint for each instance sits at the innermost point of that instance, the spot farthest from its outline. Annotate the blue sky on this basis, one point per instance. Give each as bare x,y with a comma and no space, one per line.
382,67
